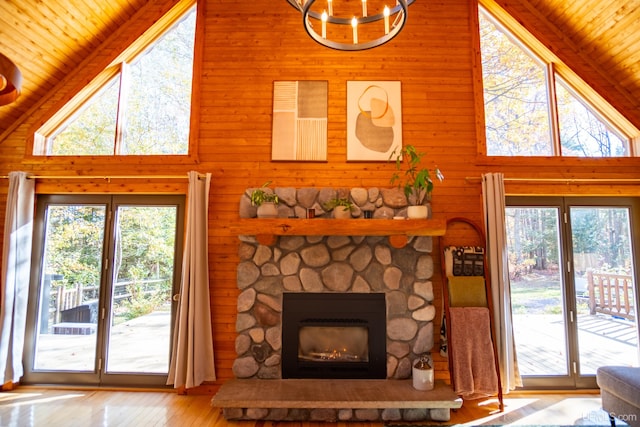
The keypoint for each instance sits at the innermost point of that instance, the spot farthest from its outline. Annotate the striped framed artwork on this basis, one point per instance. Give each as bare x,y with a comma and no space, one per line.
299,129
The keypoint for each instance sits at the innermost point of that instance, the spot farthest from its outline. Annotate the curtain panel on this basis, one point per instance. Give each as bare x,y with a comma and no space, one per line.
16,270
493,196
192,361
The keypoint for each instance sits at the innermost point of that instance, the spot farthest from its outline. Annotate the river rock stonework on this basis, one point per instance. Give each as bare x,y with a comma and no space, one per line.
333,264
384,203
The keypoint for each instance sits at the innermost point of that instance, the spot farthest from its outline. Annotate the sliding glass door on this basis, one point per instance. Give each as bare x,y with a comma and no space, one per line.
574,290
606,291
537,289
102,292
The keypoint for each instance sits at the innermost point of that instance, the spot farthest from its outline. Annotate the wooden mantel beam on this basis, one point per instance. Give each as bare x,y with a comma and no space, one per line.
398,230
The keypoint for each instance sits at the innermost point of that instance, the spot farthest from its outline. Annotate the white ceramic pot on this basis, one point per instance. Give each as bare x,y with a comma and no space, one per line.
422,378
267,210
342,212
417,212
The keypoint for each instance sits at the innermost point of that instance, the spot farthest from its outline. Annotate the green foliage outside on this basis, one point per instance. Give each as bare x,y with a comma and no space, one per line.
145,250
144,253
534,262
534,240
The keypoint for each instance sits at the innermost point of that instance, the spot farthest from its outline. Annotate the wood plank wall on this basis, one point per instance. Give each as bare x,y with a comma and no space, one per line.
249,45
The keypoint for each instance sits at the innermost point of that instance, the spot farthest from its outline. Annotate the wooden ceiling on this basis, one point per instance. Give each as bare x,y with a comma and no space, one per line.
47,40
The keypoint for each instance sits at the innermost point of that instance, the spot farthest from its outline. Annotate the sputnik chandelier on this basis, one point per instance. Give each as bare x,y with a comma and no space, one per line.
352,24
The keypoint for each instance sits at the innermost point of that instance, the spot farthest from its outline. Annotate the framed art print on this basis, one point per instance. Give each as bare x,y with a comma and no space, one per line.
374,120
299,129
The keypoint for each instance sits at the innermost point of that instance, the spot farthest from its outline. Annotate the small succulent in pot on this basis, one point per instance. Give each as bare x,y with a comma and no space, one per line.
266,200
264,194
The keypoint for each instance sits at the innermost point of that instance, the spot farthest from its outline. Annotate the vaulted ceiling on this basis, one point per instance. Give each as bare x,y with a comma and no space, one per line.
47,40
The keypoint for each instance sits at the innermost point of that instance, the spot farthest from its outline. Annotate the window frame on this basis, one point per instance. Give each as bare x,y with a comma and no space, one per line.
553,67
64,110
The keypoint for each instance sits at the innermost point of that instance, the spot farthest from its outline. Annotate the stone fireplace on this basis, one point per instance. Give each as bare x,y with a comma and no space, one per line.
349,364
333,264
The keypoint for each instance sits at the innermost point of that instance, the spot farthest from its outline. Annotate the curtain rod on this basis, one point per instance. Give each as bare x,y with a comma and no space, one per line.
564,180
106,177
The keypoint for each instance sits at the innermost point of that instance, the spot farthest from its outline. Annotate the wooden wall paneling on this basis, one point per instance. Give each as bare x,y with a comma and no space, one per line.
242,55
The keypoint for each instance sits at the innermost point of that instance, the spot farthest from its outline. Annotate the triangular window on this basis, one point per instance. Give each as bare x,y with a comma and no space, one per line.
582,132
141,107
530,110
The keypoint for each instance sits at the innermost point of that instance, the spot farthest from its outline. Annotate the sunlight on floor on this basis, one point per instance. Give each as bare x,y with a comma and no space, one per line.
24,409
530,410
510,406
580,411
18,399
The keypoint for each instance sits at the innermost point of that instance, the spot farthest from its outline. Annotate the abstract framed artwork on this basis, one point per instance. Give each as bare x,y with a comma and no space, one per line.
299,129
374,120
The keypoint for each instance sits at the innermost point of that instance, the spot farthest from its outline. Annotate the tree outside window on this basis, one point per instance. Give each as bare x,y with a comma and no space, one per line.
143,110
519,107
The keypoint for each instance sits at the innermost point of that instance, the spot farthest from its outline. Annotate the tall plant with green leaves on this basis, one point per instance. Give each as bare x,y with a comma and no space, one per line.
411,176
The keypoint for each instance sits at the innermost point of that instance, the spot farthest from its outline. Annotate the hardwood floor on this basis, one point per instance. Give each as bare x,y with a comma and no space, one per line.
33,406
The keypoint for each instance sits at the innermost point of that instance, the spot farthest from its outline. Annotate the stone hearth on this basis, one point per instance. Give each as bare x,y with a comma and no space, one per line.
332,400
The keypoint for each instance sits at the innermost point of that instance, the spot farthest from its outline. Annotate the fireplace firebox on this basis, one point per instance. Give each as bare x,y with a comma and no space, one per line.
334,335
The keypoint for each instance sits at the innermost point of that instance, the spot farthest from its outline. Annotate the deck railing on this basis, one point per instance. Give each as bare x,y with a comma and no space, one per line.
68,298
611,294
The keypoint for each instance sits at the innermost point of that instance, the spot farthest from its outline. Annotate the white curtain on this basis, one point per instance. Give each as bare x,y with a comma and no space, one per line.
494,209
192,352
16,269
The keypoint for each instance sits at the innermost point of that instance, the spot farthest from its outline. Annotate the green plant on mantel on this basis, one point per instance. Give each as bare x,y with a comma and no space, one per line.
338,201
261,195
416,181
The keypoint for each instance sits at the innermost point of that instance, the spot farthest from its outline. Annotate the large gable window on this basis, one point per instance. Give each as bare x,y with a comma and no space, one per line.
530,110
141,105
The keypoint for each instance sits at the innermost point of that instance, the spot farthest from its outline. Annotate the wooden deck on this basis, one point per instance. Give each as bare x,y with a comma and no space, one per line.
603,340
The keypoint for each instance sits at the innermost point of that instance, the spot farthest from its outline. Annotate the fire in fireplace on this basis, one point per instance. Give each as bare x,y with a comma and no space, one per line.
334,335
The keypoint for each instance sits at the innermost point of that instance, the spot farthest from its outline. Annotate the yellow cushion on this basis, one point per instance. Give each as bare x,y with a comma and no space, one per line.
467,291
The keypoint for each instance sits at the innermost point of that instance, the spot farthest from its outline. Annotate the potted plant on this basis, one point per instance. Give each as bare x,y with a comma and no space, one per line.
416,181
341,207
266,200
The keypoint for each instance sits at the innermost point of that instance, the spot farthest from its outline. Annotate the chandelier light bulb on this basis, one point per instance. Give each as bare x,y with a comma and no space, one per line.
324,19
386,19
354,24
